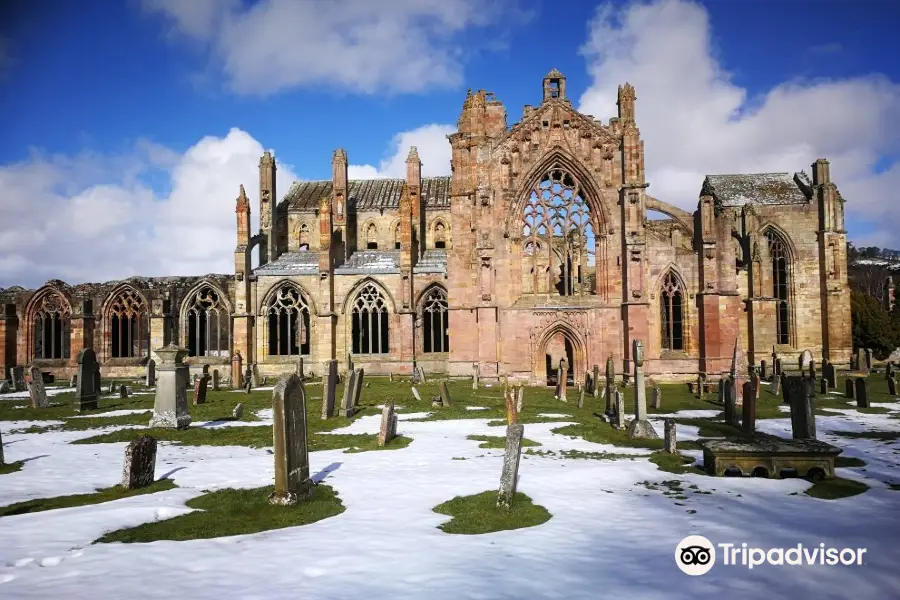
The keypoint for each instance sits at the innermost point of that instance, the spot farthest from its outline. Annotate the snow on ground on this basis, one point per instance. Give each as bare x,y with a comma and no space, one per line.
115,413
51,391
476,408
609,535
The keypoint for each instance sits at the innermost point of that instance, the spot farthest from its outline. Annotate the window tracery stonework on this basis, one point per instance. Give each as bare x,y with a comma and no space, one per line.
206,330
127,325
288,322
51,326
370,322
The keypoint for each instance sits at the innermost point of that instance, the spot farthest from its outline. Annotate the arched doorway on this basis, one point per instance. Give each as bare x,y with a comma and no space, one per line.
558,341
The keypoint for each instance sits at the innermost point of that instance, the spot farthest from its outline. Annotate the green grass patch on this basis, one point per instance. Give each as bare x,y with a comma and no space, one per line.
366,442
894,486
836,487
7,468
675,463
849,461
474,515
880,436
104,495
497,441
580,454
233,512
600,432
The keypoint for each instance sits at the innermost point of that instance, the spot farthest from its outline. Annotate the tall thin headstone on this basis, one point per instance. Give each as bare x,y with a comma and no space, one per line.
215,380
562,376
798,392
640,427
656,402
388,429
580,396
892,386
18,378
37,391
509,396
669,436
830,374
610,385
86,394
764,369
520,399
329,385
300,367
150,380
596,381
170,408
290,442
358,385
140,463
730,397
849,388
804,359
445,393
237,365
862,393
619,409
475,376
347,400
200,391
869,359
779,368
748,422
510,475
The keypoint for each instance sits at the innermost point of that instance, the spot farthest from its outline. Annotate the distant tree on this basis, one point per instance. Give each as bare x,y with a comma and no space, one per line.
873,326
869,279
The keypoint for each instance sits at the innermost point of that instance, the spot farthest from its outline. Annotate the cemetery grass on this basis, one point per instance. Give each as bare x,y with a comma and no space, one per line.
675,463
102,495
836,488
498,442
477,514
231,512
7,468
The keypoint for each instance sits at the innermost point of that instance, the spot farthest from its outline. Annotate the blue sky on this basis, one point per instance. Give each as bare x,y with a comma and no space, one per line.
121,106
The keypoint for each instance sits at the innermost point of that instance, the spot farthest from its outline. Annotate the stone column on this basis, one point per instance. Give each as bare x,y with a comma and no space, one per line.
171,406
640,427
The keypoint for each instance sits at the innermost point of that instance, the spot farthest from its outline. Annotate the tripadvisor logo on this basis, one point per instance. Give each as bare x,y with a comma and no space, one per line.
696,555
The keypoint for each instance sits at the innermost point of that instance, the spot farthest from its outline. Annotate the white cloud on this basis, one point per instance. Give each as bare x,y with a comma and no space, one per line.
358,45
696,120
90,218
431,144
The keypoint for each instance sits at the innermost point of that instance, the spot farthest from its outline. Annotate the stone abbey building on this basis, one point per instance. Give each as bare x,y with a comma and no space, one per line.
538,246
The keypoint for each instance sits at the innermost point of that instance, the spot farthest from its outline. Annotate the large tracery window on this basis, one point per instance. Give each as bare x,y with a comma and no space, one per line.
778,252
128,325
288,315
557,237
207,323
51,326
435,327
370,322
671,309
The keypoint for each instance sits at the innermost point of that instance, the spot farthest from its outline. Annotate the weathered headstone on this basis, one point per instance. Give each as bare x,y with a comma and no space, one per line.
562,376
783,379
329,385
37,391
248,379
520,399
581,396
804,360
18,378
640,427
123,391
86,394
619,410
775,386
445,393
849,388
237,365
798,393
740,369
721,391
254,374
140,463
764,369
2,460
730,397
350,366
669,436
416,395
4,386
610,385
869,359
892,386
862,393
889,370
238,413
170,408
415,380
391,377
510,475
388,429
854,361
475,376
290,442
823,386
113,387
748,421
830,374
200,391
779,368
422,377
300,373
656,401
346,409
861,364
509,396
73,381
595,380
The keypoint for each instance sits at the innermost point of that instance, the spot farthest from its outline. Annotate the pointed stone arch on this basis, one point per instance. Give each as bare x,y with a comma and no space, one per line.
369,312
48,323
442,235
205,320
578,361
126,323
285,318
357,287
433,312
778,279
673,310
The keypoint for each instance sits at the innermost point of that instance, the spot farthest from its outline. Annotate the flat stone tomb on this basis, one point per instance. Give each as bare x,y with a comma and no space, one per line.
767,456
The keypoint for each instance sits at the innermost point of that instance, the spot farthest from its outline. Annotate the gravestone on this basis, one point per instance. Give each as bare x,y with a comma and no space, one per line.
740,369
656,402
510,475
204,370
763,369
86,392
823,386
2,460
748,421
97,380
892,386
215,380
73,382
588,385
783,379
350,366
861,361
113,388
329,385
595,379
619,410
445,393
862,393
721,390
830,374
254,374
889,370
798,392
779,368
475,376
356,391
640,427
346,409
37,391
849,388
415,393
775,386
422,377
562,377
391,377
869,359
248,379
520,399
436,401
730,397
580,396
854,362
4,386
238,413
18,378
415,380
669,436
123,391
804,360
610,385
170,408
300,367
140,463
150,377
509,397
388,429
699,391
200,391
237,364
290,442
812,370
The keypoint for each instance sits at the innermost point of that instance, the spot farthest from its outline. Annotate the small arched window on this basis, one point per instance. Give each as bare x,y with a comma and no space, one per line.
440,235
371,237
397,237
304,237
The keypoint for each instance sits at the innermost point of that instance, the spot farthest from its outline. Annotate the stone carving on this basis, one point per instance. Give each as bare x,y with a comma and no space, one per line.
170,408
510,475
86,394
140,463
290,442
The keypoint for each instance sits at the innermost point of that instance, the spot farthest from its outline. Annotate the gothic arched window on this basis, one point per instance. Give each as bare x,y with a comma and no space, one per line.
51,327
370,322
207,323
671,311
440,235
435,327
778,252
557,220
397,237
128,325
304,237
371,237
288,315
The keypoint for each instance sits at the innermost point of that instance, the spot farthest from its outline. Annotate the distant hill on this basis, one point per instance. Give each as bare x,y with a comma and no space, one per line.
869,268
